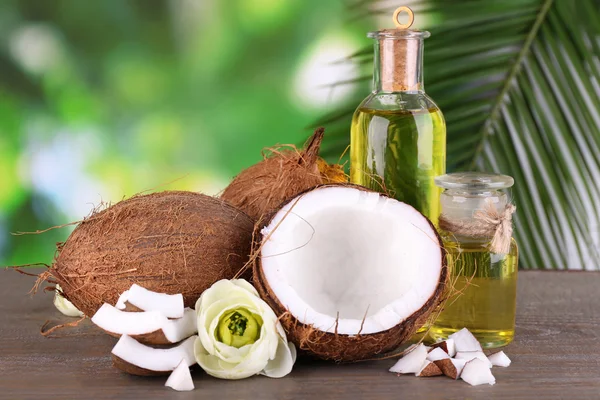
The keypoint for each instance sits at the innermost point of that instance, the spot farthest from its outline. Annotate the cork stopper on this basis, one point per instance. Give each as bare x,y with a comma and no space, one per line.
400,54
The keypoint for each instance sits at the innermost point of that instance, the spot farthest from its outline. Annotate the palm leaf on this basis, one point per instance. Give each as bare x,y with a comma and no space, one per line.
519,84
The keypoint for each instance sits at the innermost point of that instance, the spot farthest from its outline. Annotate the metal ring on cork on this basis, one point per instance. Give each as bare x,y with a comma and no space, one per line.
411,17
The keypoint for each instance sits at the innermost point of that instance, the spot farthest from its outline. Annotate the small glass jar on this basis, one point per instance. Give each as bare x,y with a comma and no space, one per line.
483,278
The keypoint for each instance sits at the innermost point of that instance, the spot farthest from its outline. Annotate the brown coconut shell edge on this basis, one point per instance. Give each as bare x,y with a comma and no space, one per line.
154,338
339,347
132,369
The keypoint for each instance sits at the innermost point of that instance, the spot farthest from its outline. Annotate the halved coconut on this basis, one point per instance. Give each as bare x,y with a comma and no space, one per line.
150,327
137,359
351,272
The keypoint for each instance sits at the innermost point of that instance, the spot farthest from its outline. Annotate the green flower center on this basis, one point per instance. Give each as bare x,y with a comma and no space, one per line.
238,328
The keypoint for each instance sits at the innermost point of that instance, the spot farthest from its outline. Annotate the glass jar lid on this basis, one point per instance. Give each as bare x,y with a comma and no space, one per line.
478,181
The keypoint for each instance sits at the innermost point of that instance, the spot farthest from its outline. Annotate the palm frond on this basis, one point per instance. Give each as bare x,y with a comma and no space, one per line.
519,85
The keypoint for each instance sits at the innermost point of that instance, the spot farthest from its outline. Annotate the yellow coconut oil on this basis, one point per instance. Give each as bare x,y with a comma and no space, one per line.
400,151
398,133
485,299
482,257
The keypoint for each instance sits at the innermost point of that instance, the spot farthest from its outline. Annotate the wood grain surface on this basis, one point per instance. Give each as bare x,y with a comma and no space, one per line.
556,355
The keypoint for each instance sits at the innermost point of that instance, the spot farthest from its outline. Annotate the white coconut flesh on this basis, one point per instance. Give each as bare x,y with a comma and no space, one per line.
181,378
170,305
135,353
121,322
499,359
347,260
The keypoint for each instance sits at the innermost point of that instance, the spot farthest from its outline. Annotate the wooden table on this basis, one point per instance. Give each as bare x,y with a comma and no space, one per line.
556,355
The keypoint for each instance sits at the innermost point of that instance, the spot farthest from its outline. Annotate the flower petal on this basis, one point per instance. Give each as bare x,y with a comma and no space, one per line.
282,364
224,370
246,285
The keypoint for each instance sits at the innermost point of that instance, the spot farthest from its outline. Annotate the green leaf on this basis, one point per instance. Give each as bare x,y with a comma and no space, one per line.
519,85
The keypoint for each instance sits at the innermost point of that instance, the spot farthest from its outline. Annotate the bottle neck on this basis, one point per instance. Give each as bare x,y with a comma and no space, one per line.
398,65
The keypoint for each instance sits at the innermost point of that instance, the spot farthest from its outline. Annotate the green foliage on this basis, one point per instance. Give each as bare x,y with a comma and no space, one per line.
519,84
104,99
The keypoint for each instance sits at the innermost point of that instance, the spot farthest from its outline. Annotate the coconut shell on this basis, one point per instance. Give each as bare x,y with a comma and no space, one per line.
169,242
447,367
430,370
286,172
131,369
155,338
339,347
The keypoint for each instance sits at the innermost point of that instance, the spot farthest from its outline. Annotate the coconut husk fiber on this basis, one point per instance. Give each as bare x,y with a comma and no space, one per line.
282,174
169,242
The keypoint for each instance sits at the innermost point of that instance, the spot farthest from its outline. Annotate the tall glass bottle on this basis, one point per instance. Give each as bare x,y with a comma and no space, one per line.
398,134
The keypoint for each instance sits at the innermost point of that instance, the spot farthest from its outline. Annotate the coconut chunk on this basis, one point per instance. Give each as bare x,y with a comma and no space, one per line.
428,368
170,305
477,372
412,361
181,378
470,355
465,341
451,367
132,357
122,301
150,327
65,306
437,354
499,359
447,345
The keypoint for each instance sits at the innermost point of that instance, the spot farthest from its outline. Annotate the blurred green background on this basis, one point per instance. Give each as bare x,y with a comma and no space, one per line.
104,99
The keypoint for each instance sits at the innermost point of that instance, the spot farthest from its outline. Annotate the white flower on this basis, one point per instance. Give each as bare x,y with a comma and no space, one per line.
65,306
239,335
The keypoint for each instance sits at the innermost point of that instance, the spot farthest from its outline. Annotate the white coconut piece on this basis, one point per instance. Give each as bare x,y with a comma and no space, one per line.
412,362
121,322
476,372
451,367
65,306
181,378
465,341
447,345
170,305
321,263
437,354
470,355
499,359
122,301
149,358
428,368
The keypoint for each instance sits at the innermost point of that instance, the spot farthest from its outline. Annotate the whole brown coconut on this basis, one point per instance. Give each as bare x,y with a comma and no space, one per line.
322,237
261,188
170,242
